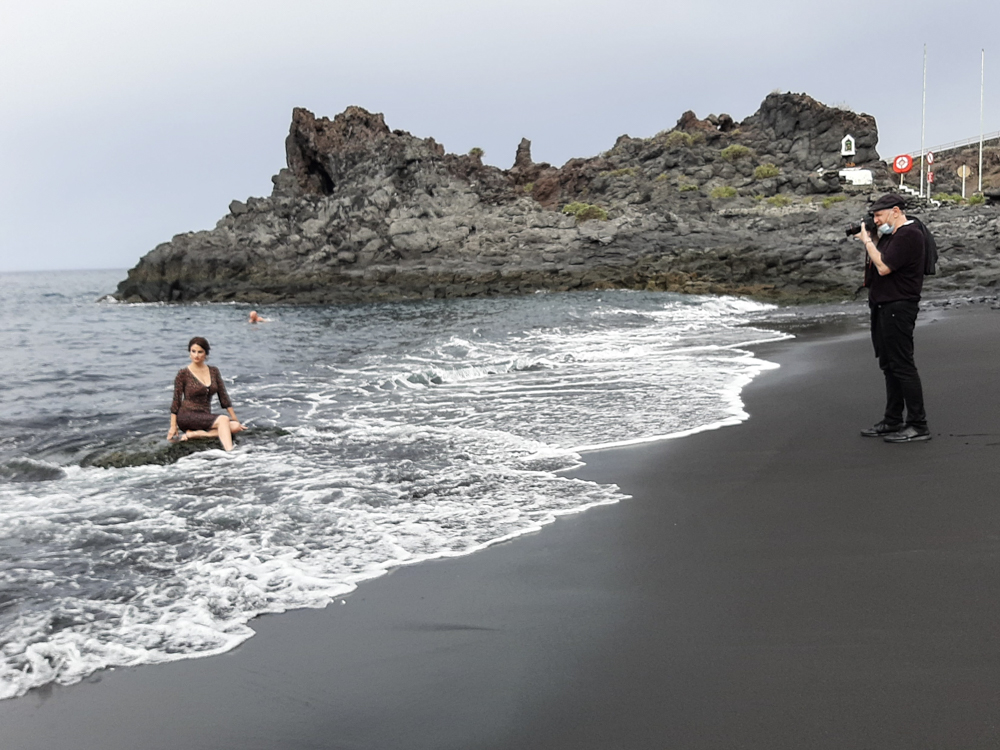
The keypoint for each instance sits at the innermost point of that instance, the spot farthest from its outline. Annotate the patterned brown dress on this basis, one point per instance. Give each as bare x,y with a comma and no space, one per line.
193,400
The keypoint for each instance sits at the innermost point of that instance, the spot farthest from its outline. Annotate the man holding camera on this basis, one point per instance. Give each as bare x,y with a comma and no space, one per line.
894,275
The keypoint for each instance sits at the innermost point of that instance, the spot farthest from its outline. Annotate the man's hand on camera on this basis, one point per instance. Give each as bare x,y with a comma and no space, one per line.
871,249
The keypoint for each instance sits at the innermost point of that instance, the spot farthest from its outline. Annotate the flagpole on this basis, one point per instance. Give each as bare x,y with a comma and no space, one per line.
923,125
982,88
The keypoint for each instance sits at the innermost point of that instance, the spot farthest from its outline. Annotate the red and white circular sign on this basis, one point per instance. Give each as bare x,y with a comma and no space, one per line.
902,164
930,157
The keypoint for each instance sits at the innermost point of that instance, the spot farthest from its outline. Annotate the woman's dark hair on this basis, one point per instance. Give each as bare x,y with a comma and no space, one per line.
202,342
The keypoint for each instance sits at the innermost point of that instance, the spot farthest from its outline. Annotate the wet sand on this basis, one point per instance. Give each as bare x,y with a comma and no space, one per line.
783,583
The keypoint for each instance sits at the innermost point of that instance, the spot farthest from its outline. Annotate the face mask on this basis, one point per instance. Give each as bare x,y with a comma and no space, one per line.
885,229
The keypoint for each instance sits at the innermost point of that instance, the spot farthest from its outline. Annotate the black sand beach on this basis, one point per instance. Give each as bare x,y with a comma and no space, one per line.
783,583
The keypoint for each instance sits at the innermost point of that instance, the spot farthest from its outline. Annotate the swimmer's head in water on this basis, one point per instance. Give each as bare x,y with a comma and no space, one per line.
253,316
200,341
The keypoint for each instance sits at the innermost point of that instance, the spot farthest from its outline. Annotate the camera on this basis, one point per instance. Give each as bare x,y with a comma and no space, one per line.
869,222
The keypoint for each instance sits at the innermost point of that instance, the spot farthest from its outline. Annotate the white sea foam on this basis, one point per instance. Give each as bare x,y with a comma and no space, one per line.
414,432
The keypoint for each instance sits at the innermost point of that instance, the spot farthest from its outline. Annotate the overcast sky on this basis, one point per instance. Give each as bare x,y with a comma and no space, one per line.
125,123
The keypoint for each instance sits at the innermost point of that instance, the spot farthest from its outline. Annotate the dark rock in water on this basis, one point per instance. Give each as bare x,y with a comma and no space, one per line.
26,470
157,451
147,452
365,213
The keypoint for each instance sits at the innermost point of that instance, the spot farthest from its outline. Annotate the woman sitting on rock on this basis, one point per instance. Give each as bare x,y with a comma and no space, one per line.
191,410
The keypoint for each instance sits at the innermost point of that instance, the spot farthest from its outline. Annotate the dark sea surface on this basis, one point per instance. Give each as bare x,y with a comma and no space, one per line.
381,435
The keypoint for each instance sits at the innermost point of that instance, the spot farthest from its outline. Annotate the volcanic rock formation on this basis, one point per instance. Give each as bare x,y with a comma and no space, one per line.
362,212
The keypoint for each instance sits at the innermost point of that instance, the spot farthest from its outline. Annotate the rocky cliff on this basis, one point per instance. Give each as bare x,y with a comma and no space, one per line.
947,182
362,212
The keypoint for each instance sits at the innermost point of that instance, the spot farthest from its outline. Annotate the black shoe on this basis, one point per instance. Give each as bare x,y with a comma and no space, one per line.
909,434
882,428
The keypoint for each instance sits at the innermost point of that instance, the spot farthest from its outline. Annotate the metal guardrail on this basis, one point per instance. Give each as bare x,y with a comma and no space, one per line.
917,153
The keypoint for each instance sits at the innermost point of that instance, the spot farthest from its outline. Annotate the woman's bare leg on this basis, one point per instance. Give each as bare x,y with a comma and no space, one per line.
225,433
216,432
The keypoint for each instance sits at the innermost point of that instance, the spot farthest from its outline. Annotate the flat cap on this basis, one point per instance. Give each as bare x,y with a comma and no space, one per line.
888,200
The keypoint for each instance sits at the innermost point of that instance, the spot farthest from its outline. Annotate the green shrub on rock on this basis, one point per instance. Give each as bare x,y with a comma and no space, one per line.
950,197
766,170
723,191
585,212
678,138
779,200
977,200
734,152
830,200
686,187
476,152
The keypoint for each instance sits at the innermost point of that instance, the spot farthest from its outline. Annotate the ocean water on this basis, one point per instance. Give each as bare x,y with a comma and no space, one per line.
408,431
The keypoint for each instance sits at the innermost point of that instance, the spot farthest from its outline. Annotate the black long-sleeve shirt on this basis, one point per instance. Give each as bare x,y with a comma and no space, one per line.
903,252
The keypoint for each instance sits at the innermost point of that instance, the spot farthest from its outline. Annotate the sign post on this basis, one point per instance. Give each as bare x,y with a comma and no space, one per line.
930,174
923,124
982,88
963,172
901,165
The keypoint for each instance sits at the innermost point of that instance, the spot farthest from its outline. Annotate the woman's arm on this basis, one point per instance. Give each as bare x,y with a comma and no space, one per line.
175,406
224,399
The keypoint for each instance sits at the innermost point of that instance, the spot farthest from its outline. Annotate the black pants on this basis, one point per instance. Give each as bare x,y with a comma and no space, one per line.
892,335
